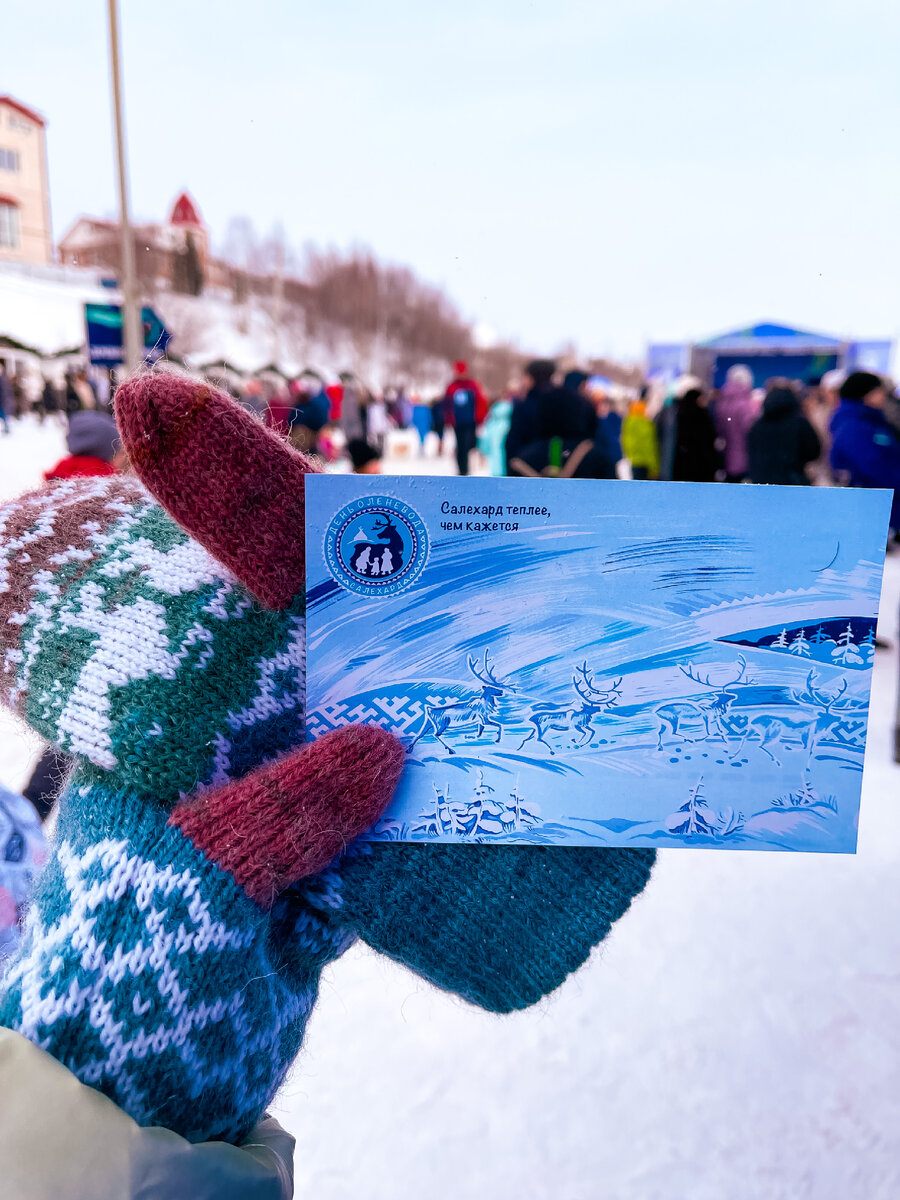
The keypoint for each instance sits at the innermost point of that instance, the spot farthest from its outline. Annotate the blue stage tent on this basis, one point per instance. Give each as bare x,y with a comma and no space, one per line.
769,350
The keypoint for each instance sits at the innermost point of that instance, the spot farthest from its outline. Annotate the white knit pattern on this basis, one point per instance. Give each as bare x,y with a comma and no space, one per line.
132,643
155,961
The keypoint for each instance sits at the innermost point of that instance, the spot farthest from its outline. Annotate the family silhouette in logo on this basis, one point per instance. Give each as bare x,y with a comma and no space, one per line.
379,553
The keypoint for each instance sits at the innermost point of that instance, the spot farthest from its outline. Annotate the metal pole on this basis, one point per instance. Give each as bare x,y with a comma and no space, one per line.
132,326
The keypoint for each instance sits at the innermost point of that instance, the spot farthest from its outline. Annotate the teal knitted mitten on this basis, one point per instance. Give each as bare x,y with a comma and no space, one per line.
148,971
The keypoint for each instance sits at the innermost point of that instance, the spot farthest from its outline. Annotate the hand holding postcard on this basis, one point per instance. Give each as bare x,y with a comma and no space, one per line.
601,663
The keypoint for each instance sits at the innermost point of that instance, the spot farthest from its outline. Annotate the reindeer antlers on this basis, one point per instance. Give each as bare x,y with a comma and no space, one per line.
691,673
484,673
585,686
818,698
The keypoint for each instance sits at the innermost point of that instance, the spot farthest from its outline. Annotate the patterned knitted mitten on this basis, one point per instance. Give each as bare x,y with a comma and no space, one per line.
159,962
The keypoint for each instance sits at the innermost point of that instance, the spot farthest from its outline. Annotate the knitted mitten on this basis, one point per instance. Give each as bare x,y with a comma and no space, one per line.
158,962
175,943
153,965
499,925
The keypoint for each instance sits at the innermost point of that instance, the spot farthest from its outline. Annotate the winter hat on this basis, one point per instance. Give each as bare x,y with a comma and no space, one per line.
685,384
832,381
574,380
691,397
93,433
205,871
361,453
541,371
859,384
780,402
739,379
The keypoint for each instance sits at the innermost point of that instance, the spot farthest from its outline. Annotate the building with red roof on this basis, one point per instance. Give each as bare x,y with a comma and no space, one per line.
161,247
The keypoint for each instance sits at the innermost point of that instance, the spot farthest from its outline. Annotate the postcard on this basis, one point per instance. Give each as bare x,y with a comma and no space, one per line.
601,662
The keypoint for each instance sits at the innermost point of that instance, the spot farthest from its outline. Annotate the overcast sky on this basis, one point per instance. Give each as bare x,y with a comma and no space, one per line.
610,173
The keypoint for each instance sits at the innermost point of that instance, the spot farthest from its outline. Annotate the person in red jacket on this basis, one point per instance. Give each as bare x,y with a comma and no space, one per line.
465,408
94,447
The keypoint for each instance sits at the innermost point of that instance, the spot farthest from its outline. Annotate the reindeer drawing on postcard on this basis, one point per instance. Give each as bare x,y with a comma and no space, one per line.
587,662
475,714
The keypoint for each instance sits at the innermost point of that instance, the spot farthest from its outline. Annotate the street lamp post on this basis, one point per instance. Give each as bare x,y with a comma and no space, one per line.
132,326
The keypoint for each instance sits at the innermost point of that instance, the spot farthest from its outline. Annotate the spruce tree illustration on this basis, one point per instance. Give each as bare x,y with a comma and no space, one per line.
800,645
698,817
867,645
780,643
846,651
820,637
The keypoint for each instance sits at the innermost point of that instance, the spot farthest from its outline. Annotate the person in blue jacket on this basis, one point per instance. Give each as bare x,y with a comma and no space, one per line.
864,445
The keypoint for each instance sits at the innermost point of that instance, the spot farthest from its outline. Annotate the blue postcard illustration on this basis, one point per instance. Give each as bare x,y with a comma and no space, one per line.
601,662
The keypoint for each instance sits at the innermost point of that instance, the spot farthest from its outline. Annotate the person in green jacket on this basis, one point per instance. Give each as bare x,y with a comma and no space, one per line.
639,444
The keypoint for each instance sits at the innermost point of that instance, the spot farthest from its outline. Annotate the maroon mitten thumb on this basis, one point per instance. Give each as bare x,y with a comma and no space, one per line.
233,485
289,819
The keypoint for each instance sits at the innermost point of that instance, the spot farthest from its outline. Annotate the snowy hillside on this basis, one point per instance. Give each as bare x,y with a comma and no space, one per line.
735,1039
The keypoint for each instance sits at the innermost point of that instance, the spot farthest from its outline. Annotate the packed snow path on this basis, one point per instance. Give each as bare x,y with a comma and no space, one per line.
735,1039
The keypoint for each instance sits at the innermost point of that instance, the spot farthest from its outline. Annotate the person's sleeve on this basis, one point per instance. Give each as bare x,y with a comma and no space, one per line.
880,463
60,1138
481,404
629,446
653,450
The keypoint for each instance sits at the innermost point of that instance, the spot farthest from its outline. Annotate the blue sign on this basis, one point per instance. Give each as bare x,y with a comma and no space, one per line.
870,356
105,339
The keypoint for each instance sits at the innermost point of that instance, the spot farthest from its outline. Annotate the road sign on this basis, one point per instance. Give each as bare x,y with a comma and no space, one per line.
104,334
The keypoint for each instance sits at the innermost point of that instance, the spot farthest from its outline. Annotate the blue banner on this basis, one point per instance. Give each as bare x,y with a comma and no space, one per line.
105,339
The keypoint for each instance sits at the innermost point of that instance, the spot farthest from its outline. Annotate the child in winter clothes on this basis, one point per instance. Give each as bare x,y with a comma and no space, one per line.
22,854
94,447
639,444
493,434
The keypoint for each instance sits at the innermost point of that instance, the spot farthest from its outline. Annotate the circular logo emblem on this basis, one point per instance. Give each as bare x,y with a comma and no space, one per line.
376,546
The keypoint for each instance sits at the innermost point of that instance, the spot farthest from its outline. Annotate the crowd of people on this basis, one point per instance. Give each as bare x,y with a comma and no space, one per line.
842,428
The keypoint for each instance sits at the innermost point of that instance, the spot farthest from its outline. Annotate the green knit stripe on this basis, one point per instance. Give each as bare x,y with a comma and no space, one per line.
148,658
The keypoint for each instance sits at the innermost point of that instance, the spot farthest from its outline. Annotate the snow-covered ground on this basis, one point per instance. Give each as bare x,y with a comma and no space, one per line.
735,1039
